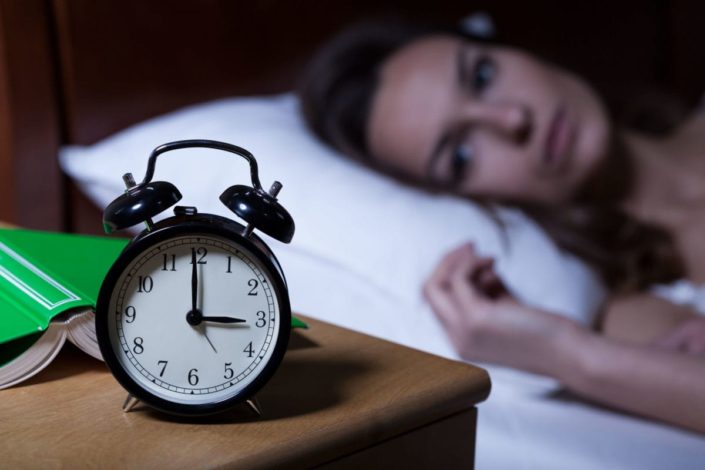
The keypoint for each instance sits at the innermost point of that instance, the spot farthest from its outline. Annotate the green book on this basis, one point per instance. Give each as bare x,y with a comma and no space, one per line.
49,285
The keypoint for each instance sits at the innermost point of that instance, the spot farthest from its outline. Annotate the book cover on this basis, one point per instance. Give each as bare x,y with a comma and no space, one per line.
44,274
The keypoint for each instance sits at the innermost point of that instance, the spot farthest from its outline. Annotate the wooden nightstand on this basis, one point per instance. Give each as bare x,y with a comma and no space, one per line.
340,400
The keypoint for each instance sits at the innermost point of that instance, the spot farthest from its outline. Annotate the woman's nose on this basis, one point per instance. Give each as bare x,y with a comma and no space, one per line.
513,120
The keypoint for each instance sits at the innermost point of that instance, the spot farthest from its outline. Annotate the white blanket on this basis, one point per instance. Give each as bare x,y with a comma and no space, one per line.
525,424
363,247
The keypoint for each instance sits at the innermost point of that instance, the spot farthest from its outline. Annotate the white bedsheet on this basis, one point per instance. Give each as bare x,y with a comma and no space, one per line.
371,277
522,425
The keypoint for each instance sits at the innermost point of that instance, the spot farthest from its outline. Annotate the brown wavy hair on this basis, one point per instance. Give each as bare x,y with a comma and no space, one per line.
336,94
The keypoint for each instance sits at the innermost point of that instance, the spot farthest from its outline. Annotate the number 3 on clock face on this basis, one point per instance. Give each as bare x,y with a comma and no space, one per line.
194,320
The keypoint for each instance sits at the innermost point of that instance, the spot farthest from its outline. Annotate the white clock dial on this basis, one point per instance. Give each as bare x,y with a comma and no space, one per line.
182,362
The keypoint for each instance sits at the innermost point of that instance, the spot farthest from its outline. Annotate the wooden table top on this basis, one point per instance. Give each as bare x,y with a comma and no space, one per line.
336,390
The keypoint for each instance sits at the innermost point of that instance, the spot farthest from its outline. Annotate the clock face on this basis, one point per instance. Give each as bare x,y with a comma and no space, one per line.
187,356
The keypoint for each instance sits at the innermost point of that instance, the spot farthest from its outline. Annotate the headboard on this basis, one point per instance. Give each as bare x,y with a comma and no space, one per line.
75,71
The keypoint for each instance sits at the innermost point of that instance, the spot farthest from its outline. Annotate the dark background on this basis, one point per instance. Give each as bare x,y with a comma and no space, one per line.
76,71
626,49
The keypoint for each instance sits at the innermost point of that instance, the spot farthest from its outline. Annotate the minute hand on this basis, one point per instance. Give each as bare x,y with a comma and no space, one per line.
225,319
194,281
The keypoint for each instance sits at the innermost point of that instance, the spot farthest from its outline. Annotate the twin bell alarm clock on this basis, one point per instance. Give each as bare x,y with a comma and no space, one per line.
193,317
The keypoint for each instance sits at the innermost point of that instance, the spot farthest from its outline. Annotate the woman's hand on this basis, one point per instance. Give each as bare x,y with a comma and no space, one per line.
687,337
486,323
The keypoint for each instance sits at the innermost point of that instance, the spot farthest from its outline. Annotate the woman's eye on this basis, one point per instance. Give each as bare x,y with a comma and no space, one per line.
483,73
460,160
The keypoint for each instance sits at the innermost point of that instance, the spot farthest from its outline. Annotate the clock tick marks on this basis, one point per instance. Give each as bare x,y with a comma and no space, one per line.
269,305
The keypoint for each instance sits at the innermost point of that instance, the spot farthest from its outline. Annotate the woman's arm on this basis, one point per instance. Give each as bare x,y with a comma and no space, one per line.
640,318
660,384
486,323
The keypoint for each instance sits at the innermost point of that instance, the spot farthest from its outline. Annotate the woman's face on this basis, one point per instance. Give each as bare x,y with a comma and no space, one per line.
486,121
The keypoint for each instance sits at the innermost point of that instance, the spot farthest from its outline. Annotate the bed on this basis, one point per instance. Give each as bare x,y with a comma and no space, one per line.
75,72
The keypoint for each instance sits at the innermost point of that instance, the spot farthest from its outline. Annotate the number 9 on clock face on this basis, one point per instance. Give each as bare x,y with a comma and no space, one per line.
194,322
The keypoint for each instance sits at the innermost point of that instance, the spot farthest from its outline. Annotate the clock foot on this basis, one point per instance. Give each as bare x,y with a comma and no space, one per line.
254,405
130,402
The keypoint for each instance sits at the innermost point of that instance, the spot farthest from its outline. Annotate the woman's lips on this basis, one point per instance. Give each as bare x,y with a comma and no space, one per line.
559,140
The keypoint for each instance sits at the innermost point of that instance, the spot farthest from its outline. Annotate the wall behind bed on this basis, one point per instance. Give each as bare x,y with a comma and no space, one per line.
75,71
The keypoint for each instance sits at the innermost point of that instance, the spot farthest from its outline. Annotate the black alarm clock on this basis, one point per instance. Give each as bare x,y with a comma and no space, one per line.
193,317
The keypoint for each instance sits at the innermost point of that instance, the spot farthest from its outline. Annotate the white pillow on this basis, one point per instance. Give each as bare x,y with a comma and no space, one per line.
386,233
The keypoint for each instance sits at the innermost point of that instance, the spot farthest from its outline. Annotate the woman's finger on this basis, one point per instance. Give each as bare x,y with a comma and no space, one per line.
673,339
454,289
688,336
442,305
463,285
473,277
441,273
490,283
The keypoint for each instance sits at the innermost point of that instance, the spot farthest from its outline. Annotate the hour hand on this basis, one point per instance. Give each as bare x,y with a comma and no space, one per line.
224,319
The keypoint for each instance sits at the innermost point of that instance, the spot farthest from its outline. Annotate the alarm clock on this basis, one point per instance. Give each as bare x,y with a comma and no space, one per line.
193,317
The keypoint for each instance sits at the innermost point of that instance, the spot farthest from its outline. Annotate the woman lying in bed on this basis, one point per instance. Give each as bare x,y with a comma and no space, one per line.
497,125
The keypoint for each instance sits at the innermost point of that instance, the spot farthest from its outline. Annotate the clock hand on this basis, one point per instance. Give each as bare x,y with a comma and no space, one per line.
195,317
194,282
208,339
224,319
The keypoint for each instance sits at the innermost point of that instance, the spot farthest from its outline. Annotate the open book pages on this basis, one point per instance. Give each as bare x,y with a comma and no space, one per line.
77,327
81,332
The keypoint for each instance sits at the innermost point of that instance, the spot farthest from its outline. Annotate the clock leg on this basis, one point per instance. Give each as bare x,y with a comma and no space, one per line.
130,402
254,405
